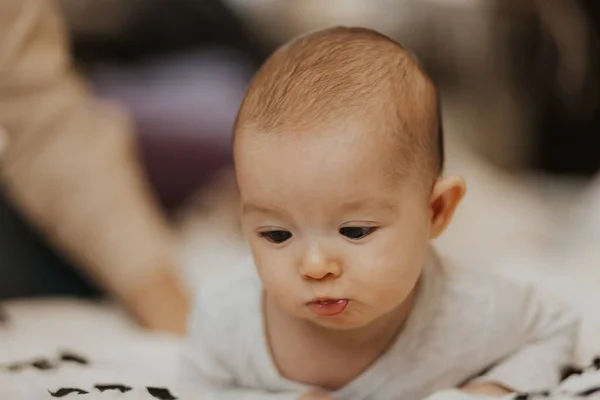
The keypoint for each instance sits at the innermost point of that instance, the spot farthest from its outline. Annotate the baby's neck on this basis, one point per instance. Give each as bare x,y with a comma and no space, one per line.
329,358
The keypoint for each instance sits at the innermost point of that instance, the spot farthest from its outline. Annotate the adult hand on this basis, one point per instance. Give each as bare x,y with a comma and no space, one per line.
159,302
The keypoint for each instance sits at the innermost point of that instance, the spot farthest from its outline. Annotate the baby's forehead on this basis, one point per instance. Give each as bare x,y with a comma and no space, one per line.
352,153
341,136
362,139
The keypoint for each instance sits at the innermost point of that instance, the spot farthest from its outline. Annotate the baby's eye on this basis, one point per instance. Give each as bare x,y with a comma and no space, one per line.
276,236
356,232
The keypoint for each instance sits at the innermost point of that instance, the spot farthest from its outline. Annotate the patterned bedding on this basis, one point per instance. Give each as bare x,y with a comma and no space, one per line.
75,349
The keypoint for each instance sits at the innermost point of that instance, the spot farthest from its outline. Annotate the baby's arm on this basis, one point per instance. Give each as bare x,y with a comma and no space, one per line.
542,335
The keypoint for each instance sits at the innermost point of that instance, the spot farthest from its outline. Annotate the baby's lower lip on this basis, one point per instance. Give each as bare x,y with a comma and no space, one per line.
327,307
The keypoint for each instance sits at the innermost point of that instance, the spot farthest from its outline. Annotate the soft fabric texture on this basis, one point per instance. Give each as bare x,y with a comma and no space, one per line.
464,322
50,346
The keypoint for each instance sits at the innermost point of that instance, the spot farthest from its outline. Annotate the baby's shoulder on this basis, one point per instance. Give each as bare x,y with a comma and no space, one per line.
482,287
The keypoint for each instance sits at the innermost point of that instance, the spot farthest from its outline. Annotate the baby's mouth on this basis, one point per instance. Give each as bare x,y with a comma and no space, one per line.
327,307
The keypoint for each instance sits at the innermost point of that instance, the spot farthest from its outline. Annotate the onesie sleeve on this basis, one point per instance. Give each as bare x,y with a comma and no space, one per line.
534,335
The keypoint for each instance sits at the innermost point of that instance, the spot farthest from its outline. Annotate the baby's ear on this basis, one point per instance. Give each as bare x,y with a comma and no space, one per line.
447,193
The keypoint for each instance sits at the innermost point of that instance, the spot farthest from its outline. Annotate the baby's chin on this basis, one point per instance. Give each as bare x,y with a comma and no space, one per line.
344,322
339,326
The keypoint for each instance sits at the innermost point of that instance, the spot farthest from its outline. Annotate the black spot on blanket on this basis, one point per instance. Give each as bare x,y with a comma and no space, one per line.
522,396
16,367
118,387
161,393
42,364
569,371
71,357
66,391
596,363
589,392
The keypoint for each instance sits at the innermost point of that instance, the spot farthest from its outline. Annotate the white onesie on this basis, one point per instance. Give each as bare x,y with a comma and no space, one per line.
466,324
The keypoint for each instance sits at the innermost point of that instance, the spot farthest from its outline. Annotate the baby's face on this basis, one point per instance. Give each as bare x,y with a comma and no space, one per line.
336,239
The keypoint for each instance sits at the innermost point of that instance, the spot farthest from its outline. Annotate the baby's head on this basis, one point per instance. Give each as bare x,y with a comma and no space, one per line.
338,152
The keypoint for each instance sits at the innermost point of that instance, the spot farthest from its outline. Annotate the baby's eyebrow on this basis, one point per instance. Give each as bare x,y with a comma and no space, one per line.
248,208
369,203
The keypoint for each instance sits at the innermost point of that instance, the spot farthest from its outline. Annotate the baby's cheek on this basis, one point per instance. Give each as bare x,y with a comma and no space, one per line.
389,272
271,276
373,273
277,277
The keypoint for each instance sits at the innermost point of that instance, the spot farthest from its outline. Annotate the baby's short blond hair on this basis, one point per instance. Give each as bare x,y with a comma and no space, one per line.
349,72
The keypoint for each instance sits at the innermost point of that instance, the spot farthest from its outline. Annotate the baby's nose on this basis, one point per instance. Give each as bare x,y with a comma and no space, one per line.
317,266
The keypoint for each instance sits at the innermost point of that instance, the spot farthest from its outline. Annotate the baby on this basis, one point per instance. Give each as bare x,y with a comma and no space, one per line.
339,154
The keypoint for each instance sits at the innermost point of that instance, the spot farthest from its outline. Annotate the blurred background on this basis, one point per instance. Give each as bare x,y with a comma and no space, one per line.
525,72
520,86
522,76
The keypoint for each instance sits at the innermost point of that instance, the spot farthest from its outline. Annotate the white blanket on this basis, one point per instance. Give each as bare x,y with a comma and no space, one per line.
66,347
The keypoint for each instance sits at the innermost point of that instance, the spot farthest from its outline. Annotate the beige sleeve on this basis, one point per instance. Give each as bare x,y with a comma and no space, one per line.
70,161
